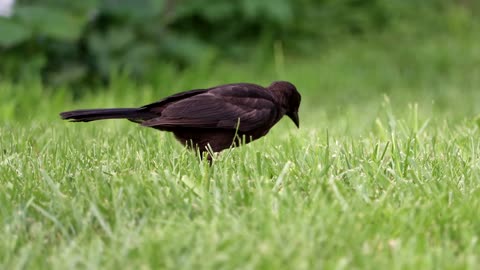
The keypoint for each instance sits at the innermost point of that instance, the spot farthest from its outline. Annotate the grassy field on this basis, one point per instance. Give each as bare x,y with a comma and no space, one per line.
383,173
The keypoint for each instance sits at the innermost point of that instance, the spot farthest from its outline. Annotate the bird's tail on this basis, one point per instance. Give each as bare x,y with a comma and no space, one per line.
101,114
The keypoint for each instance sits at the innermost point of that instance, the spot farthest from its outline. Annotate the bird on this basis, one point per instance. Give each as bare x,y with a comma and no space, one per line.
211,119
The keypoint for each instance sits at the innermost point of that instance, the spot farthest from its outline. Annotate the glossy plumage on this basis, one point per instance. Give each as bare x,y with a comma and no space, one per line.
214,116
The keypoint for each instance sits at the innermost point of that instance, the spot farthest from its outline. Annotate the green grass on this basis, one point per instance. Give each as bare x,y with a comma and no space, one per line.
384,172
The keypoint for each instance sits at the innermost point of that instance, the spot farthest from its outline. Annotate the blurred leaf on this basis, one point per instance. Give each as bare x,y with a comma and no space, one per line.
114,40
278,11
12,33
218,11
52,22
108,49
134,9
138,59
211,10
100,53
187,49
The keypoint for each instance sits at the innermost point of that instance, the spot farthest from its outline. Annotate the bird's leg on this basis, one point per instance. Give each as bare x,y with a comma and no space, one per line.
205,155
207,152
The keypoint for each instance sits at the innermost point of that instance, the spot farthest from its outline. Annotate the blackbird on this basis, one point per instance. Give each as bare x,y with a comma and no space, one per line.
213,118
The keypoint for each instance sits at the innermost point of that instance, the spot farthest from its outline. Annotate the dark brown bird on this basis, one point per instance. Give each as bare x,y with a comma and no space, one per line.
210,118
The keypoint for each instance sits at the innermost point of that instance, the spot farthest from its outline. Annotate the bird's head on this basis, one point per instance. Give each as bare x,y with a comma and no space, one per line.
288,97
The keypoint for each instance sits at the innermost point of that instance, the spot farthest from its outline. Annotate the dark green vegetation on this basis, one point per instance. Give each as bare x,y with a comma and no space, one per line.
77,42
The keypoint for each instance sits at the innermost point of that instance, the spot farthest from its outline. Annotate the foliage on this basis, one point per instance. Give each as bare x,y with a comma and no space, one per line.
88,41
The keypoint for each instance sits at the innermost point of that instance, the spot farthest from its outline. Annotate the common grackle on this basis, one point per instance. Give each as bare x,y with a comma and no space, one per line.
210,118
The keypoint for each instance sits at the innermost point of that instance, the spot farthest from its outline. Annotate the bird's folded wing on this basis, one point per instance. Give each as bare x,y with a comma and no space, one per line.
209,110
161,104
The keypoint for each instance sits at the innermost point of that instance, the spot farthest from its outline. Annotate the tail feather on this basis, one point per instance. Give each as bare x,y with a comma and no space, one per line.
101,114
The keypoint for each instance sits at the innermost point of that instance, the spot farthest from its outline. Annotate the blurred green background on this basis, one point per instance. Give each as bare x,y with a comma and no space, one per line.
86,42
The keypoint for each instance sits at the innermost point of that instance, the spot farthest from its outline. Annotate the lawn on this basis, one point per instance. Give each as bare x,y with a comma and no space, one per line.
384,171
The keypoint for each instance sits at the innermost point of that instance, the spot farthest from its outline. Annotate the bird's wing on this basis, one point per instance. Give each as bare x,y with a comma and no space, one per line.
158,106
228,107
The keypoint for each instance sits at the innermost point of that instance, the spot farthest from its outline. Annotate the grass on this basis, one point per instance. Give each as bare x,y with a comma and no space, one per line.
384,172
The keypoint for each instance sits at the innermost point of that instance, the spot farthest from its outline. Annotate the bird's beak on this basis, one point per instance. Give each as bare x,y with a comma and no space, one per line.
294,117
